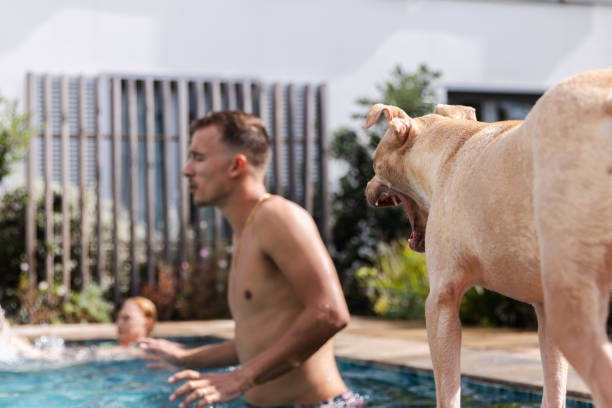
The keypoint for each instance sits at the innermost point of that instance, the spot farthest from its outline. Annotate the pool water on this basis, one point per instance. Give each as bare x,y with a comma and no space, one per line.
129,383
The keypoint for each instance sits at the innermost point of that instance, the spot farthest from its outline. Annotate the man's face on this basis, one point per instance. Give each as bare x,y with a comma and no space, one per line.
208,167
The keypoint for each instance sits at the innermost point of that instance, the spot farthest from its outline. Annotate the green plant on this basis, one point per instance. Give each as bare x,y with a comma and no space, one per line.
482,307
14,135
397,285
47,304
88,305
358,228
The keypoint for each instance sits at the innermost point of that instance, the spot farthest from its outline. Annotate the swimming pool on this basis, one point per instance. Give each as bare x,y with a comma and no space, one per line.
116,384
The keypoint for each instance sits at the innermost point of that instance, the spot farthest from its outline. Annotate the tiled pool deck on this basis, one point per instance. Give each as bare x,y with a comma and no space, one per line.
501,355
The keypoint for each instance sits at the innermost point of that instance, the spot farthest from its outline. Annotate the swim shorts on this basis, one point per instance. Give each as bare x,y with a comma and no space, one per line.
345,400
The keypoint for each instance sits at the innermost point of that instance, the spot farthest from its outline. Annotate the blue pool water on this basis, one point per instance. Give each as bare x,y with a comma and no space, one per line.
129,383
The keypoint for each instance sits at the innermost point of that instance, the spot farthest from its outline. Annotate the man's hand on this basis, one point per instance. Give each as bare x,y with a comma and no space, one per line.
208,388
162,353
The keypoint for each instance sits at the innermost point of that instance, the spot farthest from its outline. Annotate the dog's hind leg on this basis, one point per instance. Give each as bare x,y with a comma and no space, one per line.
573,210
553,363
444,335
575,302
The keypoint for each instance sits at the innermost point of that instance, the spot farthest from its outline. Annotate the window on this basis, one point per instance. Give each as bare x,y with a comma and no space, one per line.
495,106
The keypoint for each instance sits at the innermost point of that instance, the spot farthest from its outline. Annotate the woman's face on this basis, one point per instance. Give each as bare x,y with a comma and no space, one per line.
132,324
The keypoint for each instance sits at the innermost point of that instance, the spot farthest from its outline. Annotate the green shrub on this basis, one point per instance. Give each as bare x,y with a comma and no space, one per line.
397,287
47,304
482,307
14,135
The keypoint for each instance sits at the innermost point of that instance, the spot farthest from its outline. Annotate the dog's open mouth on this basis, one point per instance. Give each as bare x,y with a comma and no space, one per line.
382,196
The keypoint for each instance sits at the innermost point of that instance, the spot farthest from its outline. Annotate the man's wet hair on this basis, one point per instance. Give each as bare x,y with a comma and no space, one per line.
241,131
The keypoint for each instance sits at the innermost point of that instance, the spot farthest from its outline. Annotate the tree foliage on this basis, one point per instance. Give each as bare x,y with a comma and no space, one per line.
14,135
357,227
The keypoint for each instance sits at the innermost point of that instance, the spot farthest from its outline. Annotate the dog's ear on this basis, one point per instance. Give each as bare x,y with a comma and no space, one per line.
456,111
391,112
401,128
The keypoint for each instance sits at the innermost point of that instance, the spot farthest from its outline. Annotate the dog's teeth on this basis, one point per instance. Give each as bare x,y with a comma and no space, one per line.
376,203
395,200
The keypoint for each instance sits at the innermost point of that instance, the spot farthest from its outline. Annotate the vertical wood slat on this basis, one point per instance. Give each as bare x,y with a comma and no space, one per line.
291,142
85,277
261,100
116,169
133,183
309,126
215,87
200,212
200,108
183,120
167,159
49,233
65,142
232,96
101,260
323,164
247,97
278,139
32,196
150,158
261,109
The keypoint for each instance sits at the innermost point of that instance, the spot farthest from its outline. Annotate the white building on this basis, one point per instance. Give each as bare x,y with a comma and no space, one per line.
499,47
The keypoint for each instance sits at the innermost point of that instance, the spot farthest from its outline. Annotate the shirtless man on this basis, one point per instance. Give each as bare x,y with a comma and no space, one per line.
284,293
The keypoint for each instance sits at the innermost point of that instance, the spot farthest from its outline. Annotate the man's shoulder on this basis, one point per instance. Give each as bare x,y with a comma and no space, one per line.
278,214
278,208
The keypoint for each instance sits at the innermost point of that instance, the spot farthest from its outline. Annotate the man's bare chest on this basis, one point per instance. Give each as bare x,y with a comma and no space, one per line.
254,281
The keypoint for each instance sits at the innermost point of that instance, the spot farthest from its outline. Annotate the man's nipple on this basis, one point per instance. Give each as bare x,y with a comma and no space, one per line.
248,295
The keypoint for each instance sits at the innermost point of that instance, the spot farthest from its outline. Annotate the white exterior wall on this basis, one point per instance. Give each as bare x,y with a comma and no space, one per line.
349,44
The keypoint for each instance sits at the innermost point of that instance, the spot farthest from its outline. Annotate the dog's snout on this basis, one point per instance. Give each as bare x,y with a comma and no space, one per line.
370,192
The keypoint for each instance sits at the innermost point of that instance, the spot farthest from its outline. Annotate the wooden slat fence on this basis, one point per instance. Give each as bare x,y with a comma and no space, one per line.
111,150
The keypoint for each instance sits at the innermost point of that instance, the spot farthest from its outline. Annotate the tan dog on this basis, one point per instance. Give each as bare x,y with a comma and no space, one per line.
521,208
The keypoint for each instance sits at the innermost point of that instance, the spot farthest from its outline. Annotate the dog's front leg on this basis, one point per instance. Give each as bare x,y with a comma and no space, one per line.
444,335
553,363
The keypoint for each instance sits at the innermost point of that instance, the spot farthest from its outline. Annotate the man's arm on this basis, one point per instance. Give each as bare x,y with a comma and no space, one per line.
208,356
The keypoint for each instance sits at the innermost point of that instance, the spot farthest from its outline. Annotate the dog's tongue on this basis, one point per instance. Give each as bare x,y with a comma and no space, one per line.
411,241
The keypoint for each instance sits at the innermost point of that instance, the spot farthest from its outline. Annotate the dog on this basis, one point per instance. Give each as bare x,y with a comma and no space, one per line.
523,208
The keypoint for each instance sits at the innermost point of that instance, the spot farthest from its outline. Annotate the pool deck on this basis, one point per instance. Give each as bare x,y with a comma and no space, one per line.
502,356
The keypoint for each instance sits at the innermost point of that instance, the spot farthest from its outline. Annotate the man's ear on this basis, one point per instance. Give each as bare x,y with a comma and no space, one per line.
239,164
456,111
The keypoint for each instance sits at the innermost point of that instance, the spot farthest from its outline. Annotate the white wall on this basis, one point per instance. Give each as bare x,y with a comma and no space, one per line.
350,44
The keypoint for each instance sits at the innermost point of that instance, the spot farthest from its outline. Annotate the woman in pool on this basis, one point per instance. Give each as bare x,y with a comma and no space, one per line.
135,320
